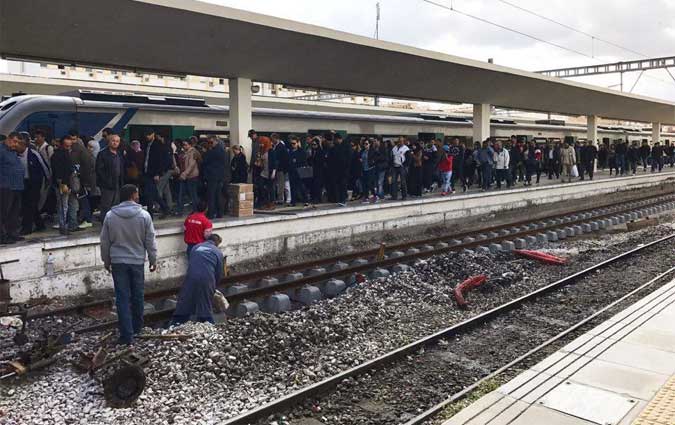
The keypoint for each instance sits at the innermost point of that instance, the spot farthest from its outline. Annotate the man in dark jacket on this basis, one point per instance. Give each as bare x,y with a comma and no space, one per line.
621,151
36,174
11,185
156,161
633,156
588,155
645,151
213,170
457,154
65,181
110,174
657,157
338,166
297,158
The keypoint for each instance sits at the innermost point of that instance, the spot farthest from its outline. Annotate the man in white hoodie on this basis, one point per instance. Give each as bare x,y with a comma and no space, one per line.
126,236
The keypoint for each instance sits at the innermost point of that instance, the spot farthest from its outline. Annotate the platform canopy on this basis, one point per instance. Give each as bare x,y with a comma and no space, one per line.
190,37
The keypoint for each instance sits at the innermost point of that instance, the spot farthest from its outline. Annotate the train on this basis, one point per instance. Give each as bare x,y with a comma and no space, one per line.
129,114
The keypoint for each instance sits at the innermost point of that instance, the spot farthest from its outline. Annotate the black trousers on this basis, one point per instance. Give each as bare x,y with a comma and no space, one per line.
10,208
30,198
341,188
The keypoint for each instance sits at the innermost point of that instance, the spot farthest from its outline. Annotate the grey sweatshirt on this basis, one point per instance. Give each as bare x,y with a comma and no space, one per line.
127,234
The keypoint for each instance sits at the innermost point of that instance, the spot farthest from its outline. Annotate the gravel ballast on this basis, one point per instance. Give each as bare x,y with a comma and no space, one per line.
227,369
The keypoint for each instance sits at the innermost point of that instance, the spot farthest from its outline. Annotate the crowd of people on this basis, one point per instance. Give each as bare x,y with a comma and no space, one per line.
326,168
64,182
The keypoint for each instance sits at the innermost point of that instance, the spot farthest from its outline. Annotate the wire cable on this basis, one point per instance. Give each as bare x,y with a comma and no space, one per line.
452,8
478,18
593,37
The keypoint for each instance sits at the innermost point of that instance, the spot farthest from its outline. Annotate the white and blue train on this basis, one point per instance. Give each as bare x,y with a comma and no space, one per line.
89,113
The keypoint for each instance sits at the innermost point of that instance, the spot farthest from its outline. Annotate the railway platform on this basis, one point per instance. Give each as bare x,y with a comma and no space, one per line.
621,372
58,266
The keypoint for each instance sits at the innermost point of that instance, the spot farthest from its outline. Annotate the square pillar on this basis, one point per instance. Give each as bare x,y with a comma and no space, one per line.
656,132
481,122
592,129
241,117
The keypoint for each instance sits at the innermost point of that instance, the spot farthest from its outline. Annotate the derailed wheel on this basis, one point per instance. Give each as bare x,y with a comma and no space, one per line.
124,386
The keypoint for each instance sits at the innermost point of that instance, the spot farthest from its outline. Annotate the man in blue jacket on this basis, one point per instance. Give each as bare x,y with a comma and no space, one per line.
11,185
205,269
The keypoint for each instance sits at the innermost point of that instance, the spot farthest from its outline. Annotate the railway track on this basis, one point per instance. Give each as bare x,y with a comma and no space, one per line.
361,262
397,364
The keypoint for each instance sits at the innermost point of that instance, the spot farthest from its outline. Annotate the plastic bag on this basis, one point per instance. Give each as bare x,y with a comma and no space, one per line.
575,171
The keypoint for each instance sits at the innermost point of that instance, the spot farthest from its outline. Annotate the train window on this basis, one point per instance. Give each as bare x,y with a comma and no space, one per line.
7,106
60,122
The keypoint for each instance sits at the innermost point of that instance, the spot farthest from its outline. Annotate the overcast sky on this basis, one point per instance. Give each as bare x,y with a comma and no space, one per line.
647,27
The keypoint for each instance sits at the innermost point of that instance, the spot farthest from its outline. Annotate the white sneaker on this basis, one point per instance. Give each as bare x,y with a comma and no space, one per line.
85,225
56,226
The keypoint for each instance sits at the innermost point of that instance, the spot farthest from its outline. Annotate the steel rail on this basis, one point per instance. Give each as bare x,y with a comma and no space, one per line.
305,280
256,275
433,411
313,390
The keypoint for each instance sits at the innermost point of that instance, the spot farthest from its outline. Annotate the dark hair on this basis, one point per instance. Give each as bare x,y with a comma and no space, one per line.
251,132
148,131
274,135
14,135
73,133
127,191
215,238
63,139
40,132
295,138
107,130
202,205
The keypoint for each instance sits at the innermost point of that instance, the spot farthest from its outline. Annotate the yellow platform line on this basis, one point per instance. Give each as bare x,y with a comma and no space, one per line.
661,409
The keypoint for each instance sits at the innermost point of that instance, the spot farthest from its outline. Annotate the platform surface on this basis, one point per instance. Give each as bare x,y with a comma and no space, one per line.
622,372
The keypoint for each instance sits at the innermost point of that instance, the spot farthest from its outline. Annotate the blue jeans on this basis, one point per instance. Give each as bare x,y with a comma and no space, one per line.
447,181
189,186
486,174
380,182
66,205
129,281
620,163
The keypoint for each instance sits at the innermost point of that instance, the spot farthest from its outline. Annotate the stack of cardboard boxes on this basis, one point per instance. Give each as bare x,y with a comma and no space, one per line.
240,197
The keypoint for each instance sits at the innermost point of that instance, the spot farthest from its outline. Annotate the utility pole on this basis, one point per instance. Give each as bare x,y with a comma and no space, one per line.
377,21
376,99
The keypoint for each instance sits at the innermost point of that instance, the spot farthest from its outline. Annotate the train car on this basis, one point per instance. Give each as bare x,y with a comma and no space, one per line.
89,113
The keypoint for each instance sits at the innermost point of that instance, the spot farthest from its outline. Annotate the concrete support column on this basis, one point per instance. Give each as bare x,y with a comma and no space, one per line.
481,122
241,117
656,132
592,129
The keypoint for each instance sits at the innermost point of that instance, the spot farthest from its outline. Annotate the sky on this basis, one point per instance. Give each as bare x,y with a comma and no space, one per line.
645,27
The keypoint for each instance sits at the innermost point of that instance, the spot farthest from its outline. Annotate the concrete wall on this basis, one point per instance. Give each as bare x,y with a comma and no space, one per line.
79,269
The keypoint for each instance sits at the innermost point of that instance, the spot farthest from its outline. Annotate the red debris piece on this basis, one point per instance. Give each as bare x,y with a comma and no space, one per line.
466,286
541,256
359,278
